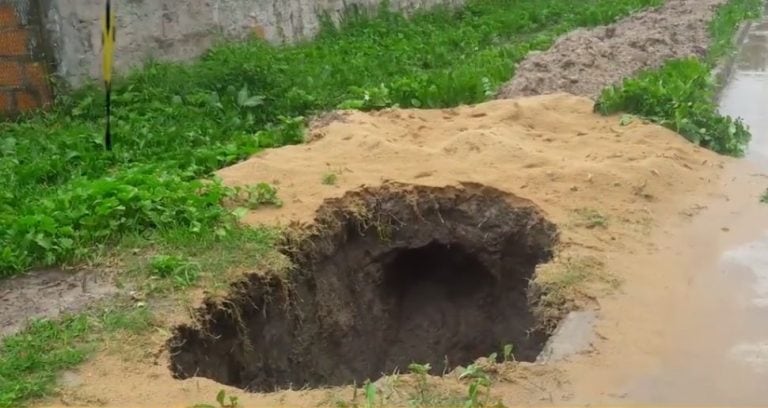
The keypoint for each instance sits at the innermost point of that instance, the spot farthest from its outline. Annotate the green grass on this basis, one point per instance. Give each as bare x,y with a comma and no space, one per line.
681,94
62,199
31,360
171,261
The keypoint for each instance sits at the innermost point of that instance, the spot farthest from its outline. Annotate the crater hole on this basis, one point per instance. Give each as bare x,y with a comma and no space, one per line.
425,275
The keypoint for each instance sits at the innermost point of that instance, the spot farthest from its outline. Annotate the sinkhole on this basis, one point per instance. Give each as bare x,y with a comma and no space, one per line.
385,277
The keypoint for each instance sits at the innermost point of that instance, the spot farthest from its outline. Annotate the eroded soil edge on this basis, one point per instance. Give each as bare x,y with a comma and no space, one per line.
385,277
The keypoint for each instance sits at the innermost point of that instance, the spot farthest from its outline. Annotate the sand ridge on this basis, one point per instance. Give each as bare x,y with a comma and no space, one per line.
550,149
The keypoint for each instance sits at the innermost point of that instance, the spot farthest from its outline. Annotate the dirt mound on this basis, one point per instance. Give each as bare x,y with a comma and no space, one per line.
391,276
550,158
550,149
437,268
583,62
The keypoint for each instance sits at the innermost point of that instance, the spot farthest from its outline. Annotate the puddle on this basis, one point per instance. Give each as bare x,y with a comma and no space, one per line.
753,354
751,258
719,352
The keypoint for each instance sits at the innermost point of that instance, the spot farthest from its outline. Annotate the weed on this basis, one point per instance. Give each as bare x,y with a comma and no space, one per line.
30,360
680,95
480,381
590,218
370,394
330,178
421,371
61,196
222,401
508,353
216,257
262,194
181,272
764,197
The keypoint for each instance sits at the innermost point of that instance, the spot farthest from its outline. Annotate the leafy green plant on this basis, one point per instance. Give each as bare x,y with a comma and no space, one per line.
222,401
480,381
590,218
421,371
262,194
181,272
680,95
764,197
508,353
370,394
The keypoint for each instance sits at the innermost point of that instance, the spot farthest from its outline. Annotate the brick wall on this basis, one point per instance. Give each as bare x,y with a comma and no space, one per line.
24,84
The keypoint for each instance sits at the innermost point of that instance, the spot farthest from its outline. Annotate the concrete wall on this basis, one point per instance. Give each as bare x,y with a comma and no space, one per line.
23,63
180,30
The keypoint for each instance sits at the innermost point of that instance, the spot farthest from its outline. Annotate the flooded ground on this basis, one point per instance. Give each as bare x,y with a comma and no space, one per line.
715,347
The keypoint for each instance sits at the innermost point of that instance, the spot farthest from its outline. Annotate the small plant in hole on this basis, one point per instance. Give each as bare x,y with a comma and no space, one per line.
764,197
479,381
508,353
181,272
370,394
422,387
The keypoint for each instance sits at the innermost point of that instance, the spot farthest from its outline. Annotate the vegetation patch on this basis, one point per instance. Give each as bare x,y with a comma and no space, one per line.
62,197
681,94
30,360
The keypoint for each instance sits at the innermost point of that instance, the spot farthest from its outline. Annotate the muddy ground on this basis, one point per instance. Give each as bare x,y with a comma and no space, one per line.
587,60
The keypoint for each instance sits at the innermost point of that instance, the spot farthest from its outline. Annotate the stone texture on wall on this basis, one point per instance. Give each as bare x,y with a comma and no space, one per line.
23,65
181,30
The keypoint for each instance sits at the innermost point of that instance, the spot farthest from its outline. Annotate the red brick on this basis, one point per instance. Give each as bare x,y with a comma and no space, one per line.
6,102
8,18
13,42
10,74
25,101
38,80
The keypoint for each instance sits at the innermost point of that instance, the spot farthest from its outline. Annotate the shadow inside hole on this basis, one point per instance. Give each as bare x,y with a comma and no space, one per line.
449,284
443,294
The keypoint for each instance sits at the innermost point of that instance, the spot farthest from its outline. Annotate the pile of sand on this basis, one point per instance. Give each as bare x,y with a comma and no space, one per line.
549,149
583,62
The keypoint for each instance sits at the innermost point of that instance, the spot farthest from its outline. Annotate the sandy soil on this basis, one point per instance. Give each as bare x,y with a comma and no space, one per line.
549,149
584,62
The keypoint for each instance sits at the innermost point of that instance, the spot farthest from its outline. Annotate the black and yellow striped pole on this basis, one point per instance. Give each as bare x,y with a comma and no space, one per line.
108,47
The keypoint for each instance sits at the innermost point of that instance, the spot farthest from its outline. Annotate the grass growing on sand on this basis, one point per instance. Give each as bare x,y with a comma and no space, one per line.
30,360
681,94
62,196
